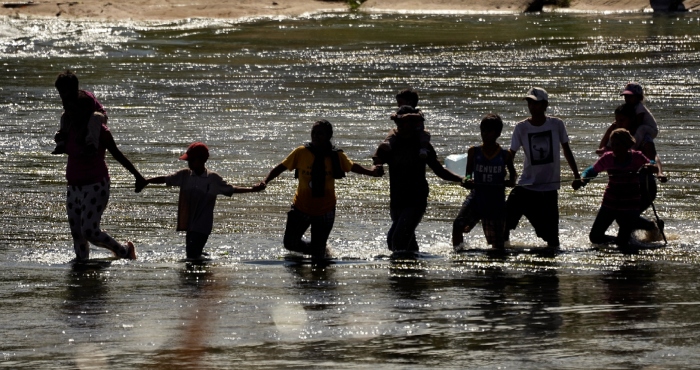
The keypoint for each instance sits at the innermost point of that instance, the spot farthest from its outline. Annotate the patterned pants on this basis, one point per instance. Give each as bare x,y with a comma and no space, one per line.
84,206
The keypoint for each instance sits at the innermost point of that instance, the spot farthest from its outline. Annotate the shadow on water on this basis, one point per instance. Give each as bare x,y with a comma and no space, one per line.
407,280
523,303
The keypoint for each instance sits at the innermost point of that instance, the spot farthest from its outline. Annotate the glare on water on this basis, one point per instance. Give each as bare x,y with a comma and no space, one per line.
251,90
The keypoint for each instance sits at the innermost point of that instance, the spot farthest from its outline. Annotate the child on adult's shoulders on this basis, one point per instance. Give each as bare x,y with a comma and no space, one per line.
625,118
199,188
408,97
69,90
643,125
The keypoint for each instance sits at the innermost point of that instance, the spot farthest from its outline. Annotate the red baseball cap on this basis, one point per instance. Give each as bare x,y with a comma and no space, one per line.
196,150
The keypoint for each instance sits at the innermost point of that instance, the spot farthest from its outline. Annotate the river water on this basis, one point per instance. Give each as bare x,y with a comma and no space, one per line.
251,90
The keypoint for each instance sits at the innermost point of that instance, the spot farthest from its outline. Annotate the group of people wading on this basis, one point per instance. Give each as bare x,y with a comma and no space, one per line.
627,154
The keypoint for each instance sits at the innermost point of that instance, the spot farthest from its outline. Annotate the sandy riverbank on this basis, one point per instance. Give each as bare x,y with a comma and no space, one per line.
235,9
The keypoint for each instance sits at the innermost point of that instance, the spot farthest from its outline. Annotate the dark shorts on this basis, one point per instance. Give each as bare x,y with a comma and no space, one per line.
469,215
541,208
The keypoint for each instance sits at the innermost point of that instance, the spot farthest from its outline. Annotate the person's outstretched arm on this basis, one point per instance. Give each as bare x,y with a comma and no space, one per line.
123,160
375,171
152,180
512,173
576,184
443,172
273,174
246,189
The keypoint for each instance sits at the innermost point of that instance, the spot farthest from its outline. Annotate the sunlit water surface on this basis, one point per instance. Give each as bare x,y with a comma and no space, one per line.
251,90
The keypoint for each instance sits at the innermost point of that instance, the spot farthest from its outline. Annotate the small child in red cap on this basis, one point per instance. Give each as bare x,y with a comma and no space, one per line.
199,188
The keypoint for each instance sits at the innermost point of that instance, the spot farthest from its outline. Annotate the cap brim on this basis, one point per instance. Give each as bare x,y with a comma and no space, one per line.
183,157
627,92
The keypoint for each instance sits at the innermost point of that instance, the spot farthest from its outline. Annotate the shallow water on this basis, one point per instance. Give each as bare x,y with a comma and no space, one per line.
251,91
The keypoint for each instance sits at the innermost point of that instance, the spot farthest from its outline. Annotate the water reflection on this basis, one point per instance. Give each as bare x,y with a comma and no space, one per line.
225,87
86,309
202,293
630,290
407,280
86,294
523,305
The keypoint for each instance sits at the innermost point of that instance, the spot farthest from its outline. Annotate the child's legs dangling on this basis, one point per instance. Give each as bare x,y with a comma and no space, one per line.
92,138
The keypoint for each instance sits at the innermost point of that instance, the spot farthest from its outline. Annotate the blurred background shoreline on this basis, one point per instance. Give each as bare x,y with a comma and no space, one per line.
158,10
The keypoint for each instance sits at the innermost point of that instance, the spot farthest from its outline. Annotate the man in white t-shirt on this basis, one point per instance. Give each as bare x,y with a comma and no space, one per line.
536,194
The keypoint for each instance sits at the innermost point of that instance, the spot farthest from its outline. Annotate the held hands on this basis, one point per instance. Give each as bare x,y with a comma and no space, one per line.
577,184
510,183
650,168
378,171
140,183
467,183
259,187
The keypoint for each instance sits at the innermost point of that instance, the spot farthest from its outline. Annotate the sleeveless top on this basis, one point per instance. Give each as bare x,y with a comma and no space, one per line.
489,182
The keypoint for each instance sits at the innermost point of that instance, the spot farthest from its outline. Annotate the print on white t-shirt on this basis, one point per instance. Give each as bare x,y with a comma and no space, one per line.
541,150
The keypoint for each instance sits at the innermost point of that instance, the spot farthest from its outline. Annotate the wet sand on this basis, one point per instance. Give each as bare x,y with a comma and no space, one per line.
238,9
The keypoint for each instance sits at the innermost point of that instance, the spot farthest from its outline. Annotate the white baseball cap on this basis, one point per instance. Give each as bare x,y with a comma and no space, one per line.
537,94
